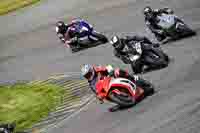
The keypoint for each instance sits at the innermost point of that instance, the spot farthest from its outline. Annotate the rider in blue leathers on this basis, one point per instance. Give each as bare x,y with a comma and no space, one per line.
75,31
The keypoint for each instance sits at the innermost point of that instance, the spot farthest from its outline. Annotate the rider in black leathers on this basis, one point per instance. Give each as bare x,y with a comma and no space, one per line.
151,21
123,46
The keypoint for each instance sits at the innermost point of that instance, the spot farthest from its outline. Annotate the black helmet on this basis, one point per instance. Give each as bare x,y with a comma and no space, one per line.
117,43
60,27
148,12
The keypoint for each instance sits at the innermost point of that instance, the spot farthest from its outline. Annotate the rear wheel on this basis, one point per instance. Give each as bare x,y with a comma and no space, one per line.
156,58
185,29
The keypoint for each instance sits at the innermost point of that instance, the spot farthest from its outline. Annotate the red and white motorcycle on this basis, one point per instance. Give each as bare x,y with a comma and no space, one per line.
121,91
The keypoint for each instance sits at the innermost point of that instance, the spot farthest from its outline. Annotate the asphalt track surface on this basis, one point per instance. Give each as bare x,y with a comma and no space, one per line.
29,50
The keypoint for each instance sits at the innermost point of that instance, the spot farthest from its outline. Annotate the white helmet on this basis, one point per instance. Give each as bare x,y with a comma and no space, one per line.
87,71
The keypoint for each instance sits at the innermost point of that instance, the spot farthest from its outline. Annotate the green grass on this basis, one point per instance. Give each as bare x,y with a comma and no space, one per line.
26,104
7,6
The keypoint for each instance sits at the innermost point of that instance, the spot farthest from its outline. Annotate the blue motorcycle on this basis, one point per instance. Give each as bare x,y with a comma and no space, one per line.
85,36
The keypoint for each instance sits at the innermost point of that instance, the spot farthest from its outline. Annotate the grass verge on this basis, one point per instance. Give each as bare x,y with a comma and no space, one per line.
7,6
26,104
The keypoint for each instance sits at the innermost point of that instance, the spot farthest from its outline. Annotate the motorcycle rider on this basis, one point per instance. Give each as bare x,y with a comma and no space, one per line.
68,32
94,73
123,46
151,20
72,32
62,30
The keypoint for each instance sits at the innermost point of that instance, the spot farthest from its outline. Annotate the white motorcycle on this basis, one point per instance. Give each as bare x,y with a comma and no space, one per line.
172,26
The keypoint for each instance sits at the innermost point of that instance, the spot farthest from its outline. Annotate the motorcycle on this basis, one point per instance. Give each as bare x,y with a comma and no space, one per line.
87,37
150,57
172,26
123,92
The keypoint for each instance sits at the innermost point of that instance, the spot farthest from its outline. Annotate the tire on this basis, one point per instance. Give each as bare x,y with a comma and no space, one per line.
121,100
147,87
101,37
148,91
185,30
161,62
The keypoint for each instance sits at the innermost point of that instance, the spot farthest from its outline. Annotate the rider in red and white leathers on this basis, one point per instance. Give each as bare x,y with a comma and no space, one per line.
94,73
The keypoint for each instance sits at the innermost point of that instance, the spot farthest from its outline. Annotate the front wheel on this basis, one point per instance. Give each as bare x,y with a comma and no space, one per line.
184,29
146,86
156,58
100,37
123,101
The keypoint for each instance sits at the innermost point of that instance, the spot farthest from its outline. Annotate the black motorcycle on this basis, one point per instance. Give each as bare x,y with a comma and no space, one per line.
173,27
150,57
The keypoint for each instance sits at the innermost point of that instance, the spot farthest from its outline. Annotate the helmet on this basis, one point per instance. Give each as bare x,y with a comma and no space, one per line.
60,27
117,43
148,12
87,71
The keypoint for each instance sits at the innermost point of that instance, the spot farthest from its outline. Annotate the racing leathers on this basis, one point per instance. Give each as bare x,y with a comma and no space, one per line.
151,22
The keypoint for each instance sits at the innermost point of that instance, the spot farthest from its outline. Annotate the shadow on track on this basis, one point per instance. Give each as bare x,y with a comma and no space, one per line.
91,45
